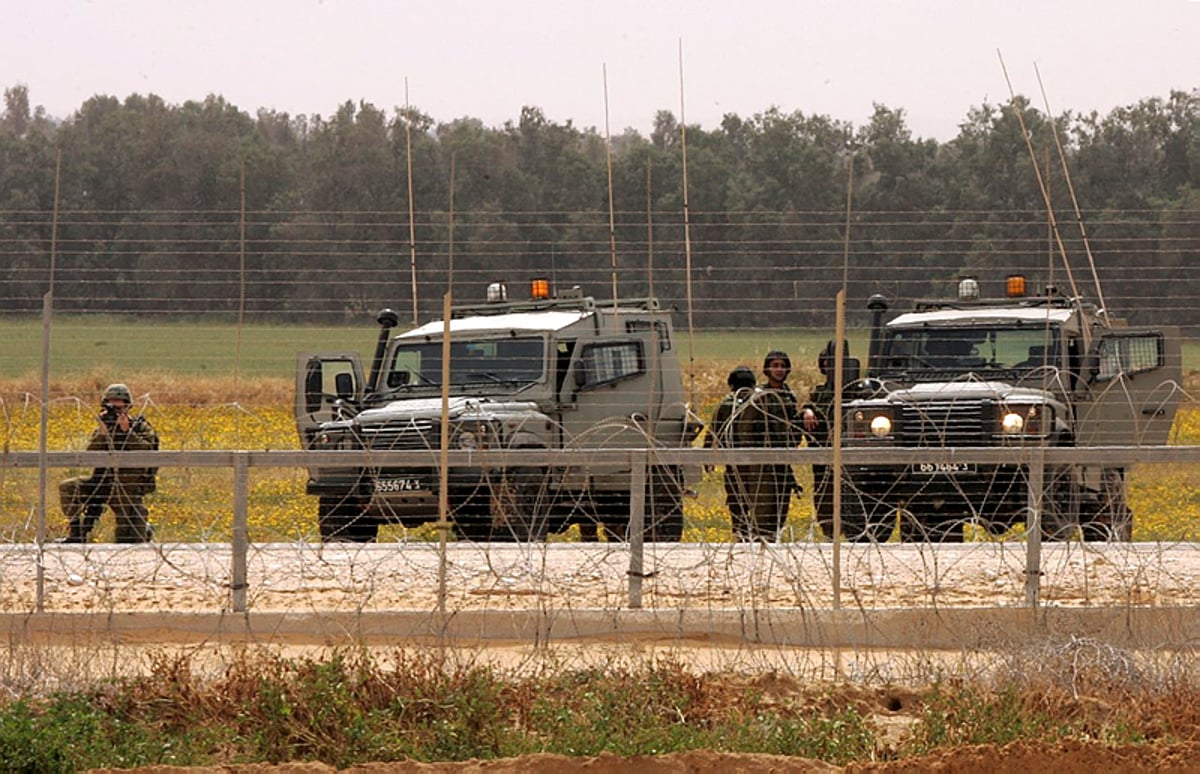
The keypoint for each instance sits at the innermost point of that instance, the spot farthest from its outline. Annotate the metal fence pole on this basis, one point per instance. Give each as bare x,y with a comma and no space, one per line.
241,537
637,527
1033,530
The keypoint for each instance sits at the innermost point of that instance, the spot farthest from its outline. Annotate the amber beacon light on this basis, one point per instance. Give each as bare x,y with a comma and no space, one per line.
1015,284
539,289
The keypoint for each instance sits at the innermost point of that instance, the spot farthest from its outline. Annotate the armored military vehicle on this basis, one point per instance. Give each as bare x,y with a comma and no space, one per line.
1014,372
549,372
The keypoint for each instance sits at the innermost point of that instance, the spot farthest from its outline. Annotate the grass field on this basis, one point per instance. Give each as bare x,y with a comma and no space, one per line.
81,345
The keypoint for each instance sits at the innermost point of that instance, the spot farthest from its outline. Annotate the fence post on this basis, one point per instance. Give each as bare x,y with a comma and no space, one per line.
241,538
1033,529
637,526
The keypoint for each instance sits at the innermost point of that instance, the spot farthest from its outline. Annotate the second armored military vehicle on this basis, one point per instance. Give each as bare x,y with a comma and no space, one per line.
1010,372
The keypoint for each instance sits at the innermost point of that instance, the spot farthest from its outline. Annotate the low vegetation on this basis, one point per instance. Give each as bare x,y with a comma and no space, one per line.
349,707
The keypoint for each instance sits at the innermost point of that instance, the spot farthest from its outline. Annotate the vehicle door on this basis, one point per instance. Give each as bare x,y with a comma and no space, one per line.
1133,389
325,384
611,392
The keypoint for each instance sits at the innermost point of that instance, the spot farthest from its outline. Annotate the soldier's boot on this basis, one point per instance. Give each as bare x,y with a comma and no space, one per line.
133,526
742,524
79,526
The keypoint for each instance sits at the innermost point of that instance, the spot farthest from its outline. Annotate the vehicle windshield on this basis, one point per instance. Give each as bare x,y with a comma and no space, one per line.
963,350
510,361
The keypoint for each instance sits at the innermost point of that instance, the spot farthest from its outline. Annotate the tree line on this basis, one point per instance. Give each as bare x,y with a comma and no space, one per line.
204,207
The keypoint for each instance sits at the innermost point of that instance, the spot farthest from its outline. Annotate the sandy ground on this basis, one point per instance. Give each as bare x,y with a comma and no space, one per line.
470,577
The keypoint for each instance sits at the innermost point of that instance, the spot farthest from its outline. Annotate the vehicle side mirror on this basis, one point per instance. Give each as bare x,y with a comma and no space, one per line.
828,358
580,378
344,384
1091,365
312,389
850,370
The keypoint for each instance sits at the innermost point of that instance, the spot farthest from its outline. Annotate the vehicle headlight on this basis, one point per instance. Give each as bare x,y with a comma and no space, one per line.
473,435
1023,420
872,422
327,440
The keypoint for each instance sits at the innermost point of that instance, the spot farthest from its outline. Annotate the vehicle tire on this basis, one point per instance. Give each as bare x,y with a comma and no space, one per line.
340,519
1061,505
519,508
612,515
854,525
664,505
1111,518
471,511
865,516
912,528
878,525
946,529
854,516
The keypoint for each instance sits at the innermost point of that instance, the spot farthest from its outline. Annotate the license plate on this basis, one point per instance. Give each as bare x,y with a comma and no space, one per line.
934,468
386,485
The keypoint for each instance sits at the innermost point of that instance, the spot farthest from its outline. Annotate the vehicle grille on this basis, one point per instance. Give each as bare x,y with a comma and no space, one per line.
415,434
946,423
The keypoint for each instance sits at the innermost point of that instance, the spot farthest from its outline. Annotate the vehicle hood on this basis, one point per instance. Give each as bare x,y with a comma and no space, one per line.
460,407
928,392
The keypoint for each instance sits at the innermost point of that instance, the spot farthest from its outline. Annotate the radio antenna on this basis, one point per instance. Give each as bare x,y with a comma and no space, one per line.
1037,173
687,234
1062,157
443,522
612,229
412,228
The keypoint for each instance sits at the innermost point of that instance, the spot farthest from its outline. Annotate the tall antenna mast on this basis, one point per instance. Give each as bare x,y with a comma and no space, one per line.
1037,172
1062,156
443,522
44,425
687,234
839,359
612,229
412,227
241,318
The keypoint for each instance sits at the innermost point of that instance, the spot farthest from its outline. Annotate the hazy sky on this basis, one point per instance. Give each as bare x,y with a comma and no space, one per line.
935,59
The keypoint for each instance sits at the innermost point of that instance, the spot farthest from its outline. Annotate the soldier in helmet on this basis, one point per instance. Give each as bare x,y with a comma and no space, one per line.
741,381
768,419
83,499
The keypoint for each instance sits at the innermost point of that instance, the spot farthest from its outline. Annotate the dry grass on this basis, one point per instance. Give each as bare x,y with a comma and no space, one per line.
163,388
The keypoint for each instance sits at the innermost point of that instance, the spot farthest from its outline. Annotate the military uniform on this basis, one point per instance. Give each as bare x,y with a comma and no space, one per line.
772,421
820,402
766,420
721,434
84,498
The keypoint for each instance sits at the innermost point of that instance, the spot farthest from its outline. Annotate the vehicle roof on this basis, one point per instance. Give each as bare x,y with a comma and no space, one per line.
984,315
548,320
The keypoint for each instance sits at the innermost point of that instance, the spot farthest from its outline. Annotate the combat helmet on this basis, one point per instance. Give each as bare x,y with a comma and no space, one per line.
740,378
777,354
117,391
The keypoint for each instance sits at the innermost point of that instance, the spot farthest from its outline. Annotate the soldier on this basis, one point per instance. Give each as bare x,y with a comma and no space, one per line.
768,419
84,498
721,434
814,419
